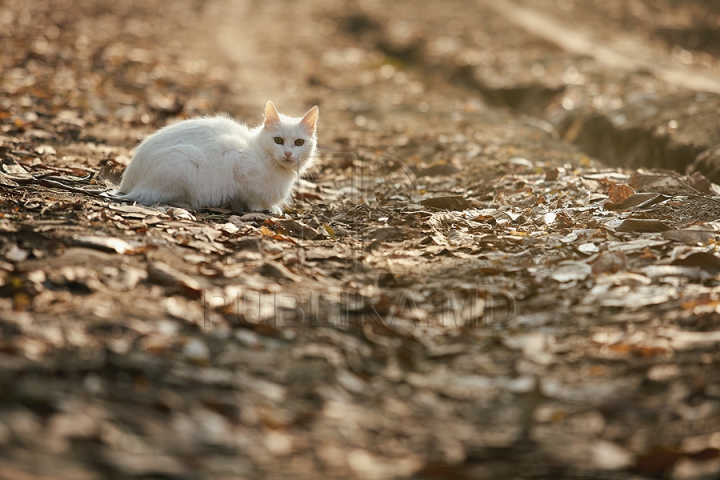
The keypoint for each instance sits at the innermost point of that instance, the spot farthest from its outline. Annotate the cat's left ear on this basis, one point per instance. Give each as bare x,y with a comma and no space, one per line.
310,119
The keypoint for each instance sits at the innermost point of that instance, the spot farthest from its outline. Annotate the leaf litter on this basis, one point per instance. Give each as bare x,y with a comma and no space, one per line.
507,302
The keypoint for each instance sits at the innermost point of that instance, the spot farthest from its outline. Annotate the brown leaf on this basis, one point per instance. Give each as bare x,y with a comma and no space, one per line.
163,274
618,193
248,244
665,181
552,174
698,181
642,225
699,259
609,262
297,229
447,203
638,200
276,271
308,196
689,236
266,232
656,462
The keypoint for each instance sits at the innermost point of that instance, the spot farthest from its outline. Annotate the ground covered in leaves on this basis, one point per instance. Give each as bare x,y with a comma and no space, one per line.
462,289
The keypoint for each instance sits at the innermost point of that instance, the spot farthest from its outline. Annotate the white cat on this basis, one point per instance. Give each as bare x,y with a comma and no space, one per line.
216,161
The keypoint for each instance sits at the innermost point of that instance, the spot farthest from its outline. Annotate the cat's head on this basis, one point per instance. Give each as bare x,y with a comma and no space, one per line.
290,142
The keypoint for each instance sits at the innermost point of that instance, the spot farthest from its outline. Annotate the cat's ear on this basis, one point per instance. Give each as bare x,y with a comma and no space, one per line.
310,119
272,117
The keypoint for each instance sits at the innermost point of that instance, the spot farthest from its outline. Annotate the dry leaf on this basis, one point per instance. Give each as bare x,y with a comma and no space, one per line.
705,260
108,244
609,262
329,230
638,200
163,274
276,271
642,225
618,193
690,236
447,203
296,229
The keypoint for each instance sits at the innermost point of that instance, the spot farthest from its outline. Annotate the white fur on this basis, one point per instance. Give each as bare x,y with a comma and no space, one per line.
216,161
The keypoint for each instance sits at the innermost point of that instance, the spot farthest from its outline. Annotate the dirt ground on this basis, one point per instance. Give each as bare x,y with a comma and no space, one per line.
505,267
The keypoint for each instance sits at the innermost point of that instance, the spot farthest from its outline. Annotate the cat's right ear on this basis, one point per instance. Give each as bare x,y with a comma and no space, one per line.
272,117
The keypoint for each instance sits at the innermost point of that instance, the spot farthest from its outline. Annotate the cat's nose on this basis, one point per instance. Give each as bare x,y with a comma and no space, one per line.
288,154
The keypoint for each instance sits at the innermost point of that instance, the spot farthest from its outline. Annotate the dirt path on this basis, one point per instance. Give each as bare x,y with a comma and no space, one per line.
463,290
610,46
246,42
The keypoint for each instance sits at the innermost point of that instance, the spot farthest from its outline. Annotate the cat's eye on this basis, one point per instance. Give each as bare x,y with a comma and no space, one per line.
299,142
279,140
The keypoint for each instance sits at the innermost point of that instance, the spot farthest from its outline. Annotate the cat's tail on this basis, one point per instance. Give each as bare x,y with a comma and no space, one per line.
115,195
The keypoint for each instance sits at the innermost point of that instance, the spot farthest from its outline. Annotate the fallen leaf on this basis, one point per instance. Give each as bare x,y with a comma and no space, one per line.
552,174
637,200
690,236
629,296
329,230
588,248
682,340
642,225
698,181
108,244
447,203
308,196
163,274
276,271
180,214
664,181
13,171
266,232
618,193
635,245
623,278
296,229
571,272
690,273
705,260
16,254
609,262
7,180
135,211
